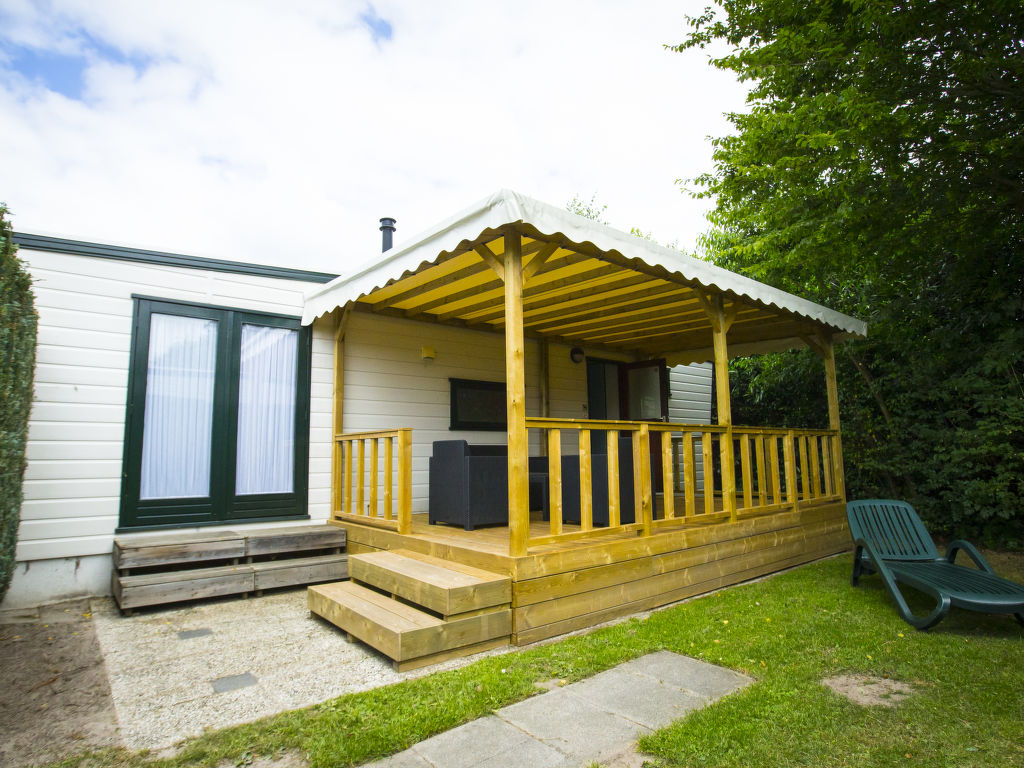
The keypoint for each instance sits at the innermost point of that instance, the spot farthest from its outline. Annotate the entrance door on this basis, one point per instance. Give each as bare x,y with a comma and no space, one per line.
218,414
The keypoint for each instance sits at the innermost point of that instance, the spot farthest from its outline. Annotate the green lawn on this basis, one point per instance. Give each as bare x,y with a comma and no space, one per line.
788,632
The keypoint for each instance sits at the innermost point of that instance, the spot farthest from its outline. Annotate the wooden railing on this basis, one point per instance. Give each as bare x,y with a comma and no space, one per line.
677,473
369,496
583,429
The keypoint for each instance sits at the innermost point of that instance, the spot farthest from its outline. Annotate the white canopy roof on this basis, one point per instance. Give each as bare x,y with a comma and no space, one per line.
576,236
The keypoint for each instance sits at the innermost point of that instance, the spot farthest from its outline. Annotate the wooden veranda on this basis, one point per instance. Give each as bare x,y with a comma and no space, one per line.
712,504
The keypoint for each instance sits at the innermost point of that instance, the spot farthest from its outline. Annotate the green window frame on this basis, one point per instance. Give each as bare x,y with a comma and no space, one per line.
222,505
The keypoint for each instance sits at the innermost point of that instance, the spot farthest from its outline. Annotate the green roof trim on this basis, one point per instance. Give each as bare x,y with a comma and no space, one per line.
98,250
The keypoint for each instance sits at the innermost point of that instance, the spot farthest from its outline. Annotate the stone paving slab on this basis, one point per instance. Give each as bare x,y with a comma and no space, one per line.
594,719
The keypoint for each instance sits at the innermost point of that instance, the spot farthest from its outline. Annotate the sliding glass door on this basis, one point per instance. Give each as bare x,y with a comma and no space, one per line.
218,416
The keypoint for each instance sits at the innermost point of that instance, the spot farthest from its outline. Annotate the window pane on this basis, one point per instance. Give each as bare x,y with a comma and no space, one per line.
179,407
266,410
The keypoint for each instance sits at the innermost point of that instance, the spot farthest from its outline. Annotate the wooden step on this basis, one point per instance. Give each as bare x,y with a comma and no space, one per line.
300,570
441,586
409,636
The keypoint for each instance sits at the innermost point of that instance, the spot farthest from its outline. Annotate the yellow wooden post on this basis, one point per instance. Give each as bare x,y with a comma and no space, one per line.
706,444
515,384
773,471
360,476
668,481
690,472
762,480
614,517
805,472
748,486
720,323
388,469
586,483
789,458
405,481
555,480
374,477
833,419
642,476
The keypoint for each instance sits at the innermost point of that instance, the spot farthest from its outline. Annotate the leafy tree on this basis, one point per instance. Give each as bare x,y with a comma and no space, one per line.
18,322
880,170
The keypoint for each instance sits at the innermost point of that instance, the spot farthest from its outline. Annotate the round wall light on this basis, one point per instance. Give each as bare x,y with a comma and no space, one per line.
576,355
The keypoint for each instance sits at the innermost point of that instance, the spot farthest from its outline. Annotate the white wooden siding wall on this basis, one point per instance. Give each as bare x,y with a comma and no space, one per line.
689,398
389,385
689,402
76,428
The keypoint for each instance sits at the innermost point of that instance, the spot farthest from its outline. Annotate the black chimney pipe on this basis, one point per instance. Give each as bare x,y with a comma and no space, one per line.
387,227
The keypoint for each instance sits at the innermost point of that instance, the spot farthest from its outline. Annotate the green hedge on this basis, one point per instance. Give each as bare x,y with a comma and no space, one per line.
18,323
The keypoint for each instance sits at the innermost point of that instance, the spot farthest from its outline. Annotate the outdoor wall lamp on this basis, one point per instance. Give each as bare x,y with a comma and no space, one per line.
427,353
576,355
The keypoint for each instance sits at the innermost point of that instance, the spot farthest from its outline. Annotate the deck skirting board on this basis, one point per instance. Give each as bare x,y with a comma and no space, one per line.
565,587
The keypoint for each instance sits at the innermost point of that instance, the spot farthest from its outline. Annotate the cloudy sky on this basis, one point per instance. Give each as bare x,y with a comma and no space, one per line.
280,132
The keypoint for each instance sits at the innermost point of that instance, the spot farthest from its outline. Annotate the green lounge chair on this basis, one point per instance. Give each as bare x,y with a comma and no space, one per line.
891,540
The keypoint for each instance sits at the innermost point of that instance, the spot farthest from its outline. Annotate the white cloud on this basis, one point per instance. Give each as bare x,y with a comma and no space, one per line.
270,133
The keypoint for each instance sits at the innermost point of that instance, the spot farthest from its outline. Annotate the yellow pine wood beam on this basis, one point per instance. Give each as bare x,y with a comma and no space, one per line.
584,310
515,388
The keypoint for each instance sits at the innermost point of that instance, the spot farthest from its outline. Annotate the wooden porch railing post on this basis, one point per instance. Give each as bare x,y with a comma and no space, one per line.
586,483
748,488
555,480
721,320
690,475
404,481
642,476
389,446
789,459
614,513
668,470
515,387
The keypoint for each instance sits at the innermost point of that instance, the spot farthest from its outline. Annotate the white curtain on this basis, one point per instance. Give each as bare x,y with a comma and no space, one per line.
267,380
176,438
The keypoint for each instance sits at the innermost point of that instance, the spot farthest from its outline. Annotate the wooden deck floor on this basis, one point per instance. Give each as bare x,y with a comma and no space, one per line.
570,585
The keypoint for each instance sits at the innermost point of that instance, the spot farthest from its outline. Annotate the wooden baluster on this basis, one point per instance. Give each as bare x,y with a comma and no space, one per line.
642,477
762,479
347,483
805,479
374,477
405,481
748,490
826,464
614,517
706,443
789,452
361,479
690,471
773,469
586,483
815,466
668,479
389,513
555,480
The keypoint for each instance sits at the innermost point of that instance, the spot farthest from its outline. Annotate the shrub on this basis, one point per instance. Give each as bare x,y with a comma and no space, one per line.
18,323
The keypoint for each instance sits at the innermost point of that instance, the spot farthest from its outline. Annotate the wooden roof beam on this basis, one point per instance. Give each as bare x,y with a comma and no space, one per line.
453,277
614,299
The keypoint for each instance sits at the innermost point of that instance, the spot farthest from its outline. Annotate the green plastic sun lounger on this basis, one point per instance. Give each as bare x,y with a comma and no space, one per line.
891,540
